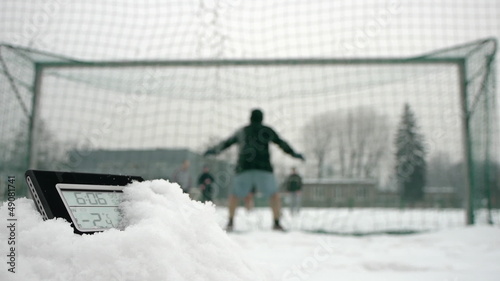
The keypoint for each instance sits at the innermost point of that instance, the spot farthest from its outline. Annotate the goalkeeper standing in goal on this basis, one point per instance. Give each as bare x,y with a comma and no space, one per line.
254,164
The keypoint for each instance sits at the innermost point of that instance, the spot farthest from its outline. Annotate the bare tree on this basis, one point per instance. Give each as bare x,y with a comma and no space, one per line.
318,138
360,142
49,150
355,141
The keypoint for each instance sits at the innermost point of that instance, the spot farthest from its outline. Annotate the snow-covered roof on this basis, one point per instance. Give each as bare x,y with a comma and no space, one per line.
439,189
339,181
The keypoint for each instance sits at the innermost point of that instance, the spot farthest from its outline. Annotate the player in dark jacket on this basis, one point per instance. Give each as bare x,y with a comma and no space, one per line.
205,182
293,186
254,164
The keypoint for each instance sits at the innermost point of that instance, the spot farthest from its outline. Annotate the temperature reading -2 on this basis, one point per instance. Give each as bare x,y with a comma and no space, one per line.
98,219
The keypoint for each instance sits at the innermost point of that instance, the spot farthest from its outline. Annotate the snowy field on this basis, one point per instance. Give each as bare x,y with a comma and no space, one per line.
167,236
353,221
454,255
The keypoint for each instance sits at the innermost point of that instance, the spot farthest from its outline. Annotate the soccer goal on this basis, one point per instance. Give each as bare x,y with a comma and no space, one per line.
146,117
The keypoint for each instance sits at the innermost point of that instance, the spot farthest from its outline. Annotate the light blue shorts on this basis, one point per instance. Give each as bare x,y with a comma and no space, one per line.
263,181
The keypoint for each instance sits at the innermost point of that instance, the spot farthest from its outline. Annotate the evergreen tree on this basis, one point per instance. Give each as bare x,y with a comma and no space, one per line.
410,158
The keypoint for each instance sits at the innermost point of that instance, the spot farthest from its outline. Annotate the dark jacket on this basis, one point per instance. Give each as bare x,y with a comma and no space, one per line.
205,182
253,141
293,183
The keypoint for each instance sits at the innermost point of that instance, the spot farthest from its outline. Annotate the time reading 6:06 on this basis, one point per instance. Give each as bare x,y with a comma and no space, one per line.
92,198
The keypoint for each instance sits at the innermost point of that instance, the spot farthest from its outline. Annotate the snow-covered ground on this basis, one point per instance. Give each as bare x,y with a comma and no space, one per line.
459,254
355,221
167,236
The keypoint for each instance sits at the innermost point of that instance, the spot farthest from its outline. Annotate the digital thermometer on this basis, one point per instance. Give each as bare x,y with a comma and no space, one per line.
89,201
92,207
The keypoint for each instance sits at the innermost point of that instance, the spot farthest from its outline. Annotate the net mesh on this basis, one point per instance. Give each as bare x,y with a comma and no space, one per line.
136,88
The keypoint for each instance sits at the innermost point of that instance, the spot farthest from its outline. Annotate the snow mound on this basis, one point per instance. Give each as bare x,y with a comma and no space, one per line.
166,236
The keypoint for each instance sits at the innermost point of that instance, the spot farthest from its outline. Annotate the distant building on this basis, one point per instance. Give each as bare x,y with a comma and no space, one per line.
152,164
338,192
442,197
149,164
365,193
434,197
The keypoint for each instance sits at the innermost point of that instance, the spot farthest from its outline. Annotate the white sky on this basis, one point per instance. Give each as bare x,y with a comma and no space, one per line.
110,30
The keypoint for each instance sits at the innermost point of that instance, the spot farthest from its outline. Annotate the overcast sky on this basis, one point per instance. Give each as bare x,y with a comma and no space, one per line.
165,30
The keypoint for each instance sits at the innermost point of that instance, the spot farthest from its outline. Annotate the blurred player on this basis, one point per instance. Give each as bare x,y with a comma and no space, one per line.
293,185
249,199
182,177
254,165
205,183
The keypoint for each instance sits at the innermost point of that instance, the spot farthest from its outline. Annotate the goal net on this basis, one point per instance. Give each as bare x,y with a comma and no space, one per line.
392,103
146,117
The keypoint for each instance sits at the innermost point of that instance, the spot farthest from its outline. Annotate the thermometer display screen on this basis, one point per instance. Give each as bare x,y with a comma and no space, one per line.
92,207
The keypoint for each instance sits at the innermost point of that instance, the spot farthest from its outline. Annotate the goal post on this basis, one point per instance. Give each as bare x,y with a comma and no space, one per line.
144,117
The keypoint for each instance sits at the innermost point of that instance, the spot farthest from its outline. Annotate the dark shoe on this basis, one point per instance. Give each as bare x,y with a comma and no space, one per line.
278,227
229,226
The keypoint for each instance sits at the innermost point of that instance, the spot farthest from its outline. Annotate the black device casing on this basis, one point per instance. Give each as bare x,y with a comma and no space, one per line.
42,187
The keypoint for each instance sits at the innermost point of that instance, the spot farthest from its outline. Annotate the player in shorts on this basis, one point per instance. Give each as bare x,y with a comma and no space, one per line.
249,199
254,167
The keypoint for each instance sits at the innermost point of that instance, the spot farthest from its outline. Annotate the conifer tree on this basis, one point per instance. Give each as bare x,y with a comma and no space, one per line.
410,159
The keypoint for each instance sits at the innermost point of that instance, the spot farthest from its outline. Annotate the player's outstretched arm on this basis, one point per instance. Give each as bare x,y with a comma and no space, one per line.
299,156
221,146
286,147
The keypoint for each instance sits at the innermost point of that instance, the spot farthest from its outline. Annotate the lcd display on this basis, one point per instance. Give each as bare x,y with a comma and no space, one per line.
92,207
